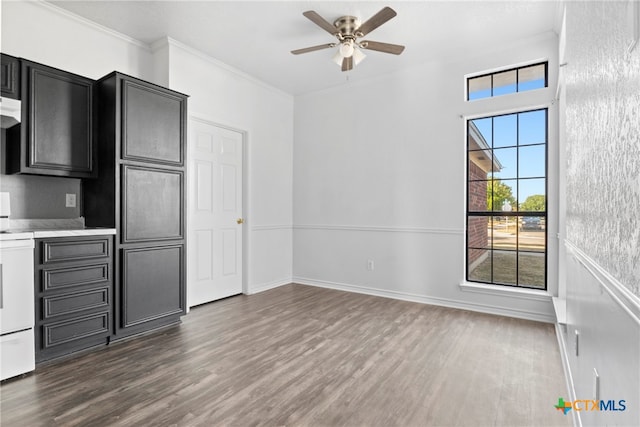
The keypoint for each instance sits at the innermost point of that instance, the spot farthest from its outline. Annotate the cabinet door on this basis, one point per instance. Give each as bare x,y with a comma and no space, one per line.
10,85
152,284
153,124
152,204
58,122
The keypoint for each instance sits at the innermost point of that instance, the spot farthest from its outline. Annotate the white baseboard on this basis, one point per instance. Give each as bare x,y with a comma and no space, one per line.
564,356
445,302
261,287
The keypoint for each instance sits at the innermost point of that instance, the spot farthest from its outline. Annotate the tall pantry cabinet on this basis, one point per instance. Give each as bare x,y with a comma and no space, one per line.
140,191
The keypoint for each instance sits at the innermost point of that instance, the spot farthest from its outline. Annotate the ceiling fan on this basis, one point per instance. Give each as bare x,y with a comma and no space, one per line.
348,29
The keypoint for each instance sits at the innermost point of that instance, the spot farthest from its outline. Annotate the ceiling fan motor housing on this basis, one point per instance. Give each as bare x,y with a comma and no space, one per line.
347,26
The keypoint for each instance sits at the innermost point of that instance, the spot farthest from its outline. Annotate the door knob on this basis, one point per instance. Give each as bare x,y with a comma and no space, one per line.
240,221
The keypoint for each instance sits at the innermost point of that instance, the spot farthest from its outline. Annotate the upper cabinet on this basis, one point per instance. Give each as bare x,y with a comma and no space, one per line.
56,134
10,84
153,121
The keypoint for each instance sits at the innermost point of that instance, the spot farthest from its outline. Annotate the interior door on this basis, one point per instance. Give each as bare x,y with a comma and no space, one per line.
214,253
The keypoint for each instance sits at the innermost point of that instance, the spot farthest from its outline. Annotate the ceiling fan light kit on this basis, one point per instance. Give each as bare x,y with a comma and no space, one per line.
348,29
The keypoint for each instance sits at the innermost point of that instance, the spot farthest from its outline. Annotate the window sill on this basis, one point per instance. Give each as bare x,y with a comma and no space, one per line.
506,291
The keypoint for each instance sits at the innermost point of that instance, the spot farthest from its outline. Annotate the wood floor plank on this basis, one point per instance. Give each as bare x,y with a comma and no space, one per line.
299,355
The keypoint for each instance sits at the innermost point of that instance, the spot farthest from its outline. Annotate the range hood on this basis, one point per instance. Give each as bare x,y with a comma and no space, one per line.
10,112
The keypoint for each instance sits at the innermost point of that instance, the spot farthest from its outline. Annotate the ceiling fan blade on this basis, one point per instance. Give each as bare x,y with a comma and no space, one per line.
313,48
395,49
320,21
376,20
347,63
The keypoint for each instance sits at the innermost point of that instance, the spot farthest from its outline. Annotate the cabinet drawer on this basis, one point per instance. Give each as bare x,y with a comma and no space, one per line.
72,250
74,302
83,275
76,329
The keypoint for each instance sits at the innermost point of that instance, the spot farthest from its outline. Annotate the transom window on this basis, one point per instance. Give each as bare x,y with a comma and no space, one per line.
507,199
508,81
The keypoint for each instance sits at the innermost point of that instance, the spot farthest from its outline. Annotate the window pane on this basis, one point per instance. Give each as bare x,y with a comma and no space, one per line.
477,197
505,161
504,83
505,131
532,127
479,165
479,265
531,269
480,131
502,195
504,267
531,234
532,77
530,194
505,231
479,87
478,232
531,161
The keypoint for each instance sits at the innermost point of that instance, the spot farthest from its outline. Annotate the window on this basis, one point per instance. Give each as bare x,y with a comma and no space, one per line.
507,199
510,81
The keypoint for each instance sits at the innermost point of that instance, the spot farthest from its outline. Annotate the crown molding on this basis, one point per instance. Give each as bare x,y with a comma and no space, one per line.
87,22
216,62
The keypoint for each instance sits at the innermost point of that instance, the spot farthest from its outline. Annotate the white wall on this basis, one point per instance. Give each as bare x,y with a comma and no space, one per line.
46,34
229,98
603,198
43,33
379,174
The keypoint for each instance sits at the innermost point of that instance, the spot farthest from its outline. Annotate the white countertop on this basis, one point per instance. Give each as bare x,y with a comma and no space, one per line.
15,235
40,234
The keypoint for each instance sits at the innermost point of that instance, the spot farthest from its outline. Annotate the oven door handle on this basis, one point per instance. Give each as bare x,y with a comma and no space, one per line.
1,288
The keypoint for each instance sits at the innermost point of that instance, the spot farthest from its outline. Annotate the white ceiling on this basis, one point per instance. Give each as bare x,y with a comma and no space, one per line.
256,37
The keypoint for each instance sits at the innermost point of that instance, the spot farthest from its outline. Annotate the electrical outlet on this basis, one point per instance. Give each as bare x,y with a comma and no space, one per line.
370,265
70,201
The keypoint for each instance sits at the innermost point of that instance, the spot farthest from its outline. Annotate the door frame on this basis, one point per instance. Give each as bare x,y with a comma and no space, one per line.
245,194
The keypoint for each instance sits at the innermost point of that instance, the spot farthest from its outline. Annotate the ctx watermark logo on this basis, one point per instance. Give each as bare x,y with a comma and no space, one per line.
590,405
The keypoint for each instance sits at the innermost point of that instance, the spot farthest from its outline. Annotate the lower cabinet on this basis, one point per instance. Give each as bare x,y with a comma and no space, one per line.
80,303
151,290
74,294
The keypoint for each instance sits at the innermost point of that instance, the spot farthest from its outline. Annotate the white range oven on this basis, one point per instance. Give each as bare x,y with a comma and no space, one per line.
17,347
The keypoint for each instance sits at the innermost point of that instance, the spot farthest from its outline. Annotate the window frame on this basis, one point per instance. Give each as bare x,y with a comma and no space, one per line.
517,213
505,70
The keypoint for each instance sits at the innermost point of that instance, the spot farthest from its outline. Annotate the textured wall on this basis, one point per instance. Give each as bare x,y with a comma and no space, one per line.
603,138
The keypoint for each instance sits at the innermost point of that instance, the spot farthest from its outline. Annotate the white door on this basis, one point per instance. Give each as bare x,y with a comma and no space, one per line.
214,253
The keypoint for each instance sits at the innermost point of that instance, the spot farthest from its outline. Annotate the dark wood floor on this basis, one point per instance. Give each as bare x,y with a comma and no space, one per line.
300,355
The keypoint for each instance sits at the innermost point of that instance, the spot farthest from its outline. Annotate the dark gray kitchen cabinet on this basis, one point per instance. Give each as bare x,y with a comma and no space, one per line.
141,192
140,197
152,124
74,293
56,136
149,279
10,72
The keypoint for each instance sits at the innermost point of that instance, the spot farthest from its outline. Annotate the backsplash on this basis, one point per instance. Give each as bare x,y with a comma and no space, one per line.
41,197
